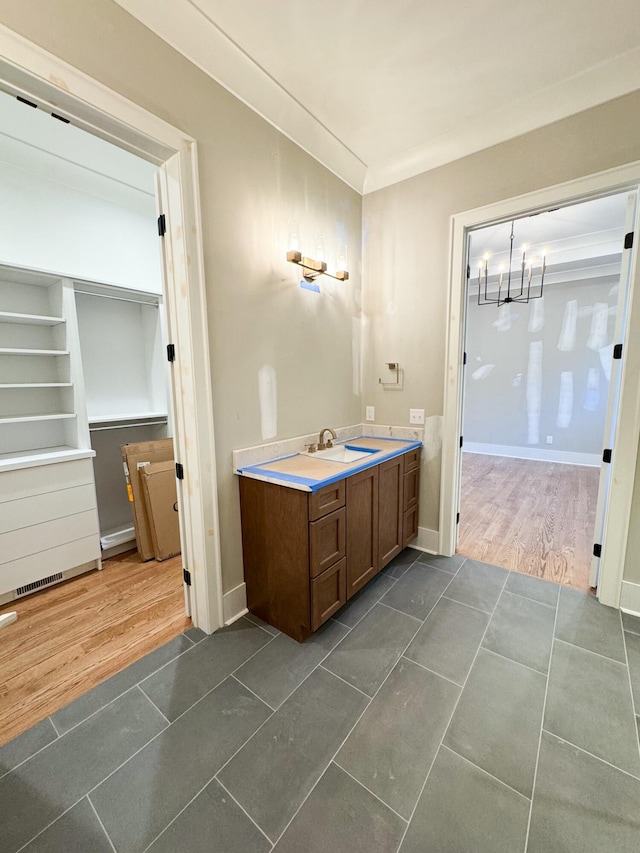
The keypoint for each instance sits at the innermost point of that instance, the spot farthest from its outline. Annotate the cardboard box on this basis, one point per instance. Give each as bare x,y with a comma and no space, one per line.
159,487
134,458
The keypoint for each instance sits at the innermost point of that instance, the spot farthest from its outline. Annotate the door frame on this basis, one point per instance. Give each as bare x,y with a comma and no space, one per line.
33,73
625,451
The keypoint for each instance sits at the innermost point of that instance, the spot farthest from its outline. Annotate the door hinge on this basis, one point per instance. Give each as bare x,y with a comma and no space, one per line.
468,271
186,576
162,225
171,352
179,471
461,441
25,101
597,550
617,351
628,240
464,358
606,454
458,518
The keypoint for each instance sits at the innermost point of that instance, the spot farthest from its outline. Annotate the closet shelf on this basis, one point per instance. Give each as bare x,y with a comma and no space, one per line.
42,456
30,319
20,419
139,416
37,385
20,351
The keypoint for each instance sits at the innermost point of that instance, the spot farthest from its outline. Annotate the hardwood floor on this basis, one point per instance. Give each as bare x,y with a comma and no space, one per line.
75,635
529,516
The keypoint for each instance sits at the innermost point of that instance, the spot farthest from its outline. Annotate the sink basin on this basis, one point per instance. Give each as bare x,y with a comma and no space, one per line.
343,453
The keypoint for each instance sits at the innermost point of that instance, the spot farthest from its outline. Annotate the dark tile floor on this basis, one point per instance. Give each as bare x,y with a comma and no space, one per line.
450,707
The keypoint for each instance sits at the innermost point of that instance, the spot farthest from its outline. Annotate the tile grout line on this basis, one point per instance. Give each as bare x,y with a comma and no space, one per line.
597,654
453,711
246,687
50,718
592,754
512,660
50,824
151,702
432,671
104,829
364,710
344,681
368,790
403,613
535,600
240,806
486,772
377,601
486,612
544,709
633,701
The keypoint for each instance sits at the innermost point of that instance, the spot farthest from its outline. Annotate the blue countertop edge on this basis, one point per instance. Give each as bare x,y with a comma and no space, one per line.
305,484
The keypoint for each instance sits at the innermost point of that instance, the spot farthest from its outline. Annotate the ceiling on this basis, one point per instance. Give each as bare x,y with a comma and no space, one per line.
380,91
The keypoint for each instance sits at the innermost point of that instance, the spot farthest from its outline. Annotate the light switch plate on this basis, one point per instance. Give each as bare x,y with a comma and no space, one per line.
370,413
416,416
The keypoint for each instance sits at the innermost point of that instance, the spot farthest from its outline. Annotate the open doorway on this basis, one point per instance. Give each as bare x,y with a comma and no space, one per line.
537,399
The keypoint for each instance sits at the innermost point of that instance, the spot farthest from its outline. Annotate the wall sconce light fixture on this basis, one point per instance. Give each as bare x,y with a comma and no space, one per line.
312,269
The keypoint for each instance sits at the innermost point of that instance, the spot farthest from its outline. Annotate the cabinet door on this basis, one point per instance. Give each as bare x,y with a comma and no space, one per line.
362,529
328,593
326,542
390,506
410,525
411,488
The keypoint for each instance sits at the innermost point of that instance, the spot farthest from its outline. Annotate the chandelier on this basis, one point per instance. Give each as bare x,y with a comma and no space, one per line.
515,285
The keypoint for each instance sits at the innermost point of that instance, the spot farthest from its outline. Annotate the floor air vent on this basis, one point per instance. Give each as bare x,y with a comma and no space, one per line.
31,587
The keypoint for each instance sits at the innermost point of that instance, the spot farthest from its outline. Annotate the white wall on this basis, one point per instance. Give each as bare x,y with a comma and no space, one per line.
62,208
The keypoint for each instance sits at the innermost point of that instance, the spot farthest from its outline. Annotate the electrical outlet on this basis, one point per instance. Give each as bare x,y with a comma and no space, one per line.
370,413
416,416
549,439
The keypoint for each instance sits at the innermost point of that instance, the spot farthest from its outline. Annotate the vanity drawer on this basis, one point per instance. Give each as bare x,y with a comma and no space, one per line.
412,460
411,488
410,525
328,593
326,500
327,541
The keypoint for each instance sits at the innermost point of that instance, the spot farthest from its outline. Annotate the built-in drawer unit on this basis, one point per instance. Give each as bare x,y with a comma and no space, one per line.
328,593
327,541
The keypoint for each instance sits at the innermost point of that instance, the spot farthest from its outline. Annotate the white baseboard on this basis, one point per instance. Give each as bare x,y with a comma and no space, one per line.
234,603
428,540
568,457
630,598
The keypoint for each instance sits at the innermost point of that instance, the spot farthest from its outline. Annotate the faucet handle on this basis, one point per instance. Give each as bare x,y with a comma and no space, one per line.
312,448
329,443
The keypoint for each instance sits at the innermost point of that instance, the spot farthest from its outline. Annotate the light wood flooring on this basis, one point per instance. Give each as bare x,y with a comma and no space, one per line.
70,637
529,516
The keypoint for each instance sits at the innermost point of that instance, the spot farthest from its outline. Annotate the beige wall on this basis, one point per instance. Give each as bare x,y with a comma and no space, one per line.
252,181
406,245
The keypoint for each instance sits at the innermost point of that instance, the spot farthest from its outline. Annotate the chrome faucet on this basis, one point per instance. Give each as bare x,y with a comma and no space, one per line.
321,443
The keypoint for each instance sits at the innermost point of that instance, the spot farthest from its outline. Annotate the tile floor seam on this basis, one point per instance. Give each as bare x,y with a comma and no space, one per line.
633,701
240,806
486,772
324,669
50,824
528,598
189,638
149,699
104,828
120,695
453,711
630,630
544,709
433,568
421,621
166,728
432,671
351,627
592,755
486,612
55,728
512,660
368,790
246,687
364,710
597,654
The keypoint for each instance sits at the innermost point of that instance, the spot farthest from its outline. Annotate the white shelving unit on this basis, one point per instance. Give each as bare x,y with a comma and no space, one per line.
49,526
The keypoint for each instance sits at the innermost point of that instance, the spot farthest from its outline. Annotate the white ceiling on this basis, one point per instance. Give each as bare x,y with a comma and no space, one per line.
380,91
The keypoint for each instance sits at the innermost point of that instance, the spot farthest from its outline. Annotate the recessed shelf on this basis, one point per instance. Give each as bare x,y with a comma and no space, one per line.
19,419
36,385
30,319
20,351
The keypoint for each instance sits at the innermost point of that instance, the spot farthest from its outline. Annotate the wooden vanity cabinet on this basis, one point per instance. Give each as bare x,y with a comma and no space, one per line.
306,554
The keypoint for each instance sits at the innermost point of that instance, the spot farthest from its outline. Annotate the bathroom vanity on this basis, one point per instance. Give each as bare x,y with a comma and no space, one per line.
315,530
